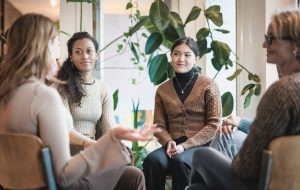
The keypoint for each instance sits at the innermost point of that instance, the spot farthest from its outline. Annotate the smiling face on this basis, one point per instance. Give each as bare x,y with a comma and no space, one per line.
84,55
183,58
279,51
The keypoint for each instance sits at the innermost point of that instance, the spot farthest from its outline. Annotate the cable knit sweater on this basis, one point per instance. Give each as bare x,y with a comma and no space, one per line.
37,109
96,105
278,114
198,117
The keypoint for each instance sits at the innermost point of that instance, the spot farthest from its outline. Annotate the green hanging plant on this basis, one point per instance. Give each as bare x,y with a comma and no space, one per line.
165,26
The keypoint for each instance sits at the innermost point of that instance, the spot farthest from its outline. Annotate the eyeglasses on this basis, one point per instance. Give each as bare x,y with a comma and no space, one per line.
269,38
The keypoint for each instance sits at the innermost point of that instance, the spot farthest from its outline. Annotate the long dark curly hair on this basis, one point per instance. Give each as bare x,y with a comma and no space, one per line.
72,90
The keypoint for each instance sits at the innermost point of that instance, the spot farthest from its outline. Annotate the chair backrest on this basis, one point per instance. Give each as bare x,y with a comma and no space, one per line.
25,163
281,165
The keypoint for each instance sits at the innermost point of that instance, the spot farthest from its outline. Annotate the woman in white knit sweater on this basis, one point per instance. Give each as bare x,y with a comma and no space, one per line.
87,98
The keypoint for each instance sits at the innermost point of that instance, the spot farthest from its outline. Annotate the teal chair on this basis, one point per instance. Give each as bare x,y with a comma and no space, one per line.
25,163
280,168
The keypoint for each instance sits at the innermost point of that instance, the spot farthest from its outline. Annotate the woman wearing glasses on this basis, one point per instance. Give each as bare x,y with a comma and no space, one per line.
277,114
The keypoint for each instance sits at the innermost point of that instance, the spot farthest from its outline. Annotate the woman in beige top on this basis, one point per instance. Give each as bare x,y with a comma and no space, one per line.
28,105
87,98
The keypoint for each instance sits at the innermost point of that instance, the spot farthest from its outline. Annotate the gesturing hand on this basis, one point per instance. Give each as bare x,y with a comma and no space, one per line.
145,134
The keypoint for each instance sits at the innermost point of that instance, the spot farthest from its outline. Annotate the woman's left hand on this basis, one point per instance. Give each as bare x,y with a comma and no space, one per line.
177,150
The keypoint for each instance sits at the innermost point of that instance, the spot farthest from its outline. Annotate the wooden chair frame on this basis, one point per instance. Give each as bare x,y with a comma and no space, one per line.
280,165
25,163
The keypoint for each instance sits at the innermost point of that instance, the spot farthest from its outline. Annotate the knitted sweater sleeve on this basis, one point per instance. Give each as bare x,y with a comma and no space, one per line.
272,120
161,119
245,125
106,120
213,107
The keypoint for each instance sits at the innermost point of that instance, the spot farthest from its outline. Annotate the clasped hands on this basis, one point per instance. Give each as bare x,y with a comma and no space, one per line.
173,149
230,125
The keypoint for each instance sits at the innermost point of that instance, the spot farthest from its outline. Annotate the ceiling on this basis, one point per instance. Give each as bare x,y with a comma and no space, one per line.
44,7
37,6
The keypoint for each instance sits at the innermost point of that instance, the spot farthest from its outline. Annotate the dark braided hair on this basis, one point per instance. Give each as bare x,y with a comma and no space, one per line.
73,90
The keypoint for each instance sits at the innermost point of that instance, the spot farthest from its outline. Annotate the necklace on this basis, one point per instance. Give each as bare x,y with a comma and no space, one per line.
86,83
182,89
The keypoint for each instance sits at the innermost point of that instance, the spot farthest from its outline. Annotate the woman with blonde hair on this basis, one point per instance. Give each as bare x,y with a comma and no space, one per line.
277,114
28,105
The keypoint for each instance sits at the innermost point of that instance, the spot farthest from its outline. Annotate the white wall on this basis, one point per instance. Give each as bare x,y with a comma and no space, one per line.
252,21
70,22
118,71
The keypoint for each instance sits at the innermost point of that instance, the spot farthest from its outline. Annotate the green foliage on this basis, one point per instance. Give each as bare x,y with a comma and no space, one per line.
194,14
227,102
153,42
158,71
116,98
139,152
165,26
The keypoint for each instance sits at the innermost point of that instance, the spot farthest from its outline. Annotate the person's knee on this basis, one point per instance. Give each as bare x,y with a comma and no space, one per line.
177,160
149,162
154,161
132,178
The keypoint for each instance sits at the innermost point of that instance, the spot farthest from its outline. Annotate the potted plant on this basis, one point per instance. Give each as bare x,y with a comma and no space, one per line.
164,26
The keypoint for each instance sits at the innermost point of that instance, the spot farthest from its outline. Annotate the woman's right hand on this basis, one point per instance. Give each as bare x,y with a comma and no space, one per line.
230,124
145,134
171,149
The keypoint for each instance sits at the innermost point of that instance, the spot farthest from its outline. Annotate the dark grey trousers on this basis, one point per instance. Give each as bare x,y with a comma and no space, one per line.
211,170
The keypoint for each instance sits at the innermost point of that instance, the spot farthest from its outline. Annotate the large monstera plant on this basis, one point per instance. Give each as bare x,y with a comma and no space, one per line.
164,26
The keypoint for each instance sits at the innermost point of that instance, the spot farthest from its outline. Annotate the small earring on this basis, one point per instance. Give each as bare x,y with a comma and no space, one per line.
296,53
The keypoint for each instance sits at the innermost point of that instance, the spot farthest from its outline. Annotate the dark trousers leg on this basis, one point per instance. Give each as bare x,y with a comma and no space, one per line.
131,179
180,169
212,169
155,168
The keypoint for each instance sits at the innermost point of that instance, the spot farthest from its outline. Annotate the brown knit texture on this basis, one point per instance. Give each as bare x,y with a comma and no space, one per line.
198,117
278,114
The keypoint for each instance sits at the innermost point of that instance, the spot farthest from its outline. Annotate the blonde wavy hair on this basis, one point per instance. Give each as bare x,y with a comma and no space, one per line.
286,23
27,52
